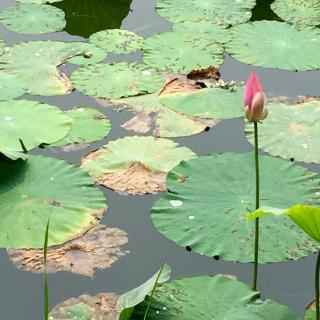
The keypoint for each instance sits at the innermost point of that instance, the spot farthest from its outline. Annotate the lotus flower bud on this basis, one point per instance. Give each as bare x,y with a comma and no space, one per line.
255,109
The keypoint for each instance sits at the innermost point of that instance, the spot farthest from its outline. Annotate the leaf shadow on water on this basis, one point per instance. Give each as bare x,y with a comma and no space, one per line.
85,17
263,11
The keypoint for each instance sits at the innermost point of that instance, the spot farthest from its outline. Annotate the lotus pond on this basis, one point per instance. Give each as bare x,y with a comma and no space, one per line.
127,166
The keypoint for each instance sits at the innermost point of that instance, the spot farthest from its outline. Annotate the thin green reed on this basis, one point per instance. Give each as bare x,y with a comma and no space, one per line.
46,290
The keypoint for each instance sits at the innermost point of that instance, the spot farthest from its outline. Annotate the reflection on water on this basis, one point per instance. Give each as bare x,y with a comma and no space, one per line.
85,17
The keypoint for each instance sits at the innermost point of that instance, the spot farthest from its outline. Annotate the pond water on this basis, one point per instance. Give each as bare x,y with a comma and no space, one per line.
289,283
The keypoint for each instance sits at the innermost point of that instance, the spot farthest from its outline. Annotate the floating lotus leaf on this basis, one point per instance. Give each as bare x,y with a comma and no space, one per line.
310,312
300,12
128,301
85,307
40,76
151,115
32,122
276,45
135,165
13,155
32,18
117,80
88,125
291,131
179,52
99,248
31,191
10,86
117,41
227,12
85,17
208,298
211,103
211,196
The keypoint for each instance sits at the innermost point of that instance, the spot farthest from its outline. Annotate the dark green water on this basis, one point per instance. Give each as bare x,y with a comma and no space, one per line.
289,283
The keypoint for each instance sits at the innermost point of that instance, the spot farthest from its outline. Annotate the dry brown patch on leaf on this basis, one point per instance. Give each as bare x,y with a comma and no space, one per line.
140,123
99,248
136,179
207,73
178,84
74,147
102,307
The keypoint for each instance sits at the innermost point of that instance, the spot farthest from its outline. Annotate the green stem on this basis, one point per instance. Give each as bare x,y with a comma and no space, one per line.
45,289
151,296
256,241
317,287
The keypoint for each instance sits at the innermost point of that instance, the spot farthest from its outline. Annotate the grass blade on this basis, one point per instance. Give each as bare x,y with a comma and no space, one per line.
46,290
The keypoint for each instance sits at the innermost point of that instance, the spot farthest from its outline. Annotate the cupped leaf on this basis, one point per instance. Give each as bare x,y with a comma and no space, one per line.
178,51
31,191
85,17
228,12
291,131
135,165
300,12
13,155
117,80
208,298
99,248
131,299
32,18
117,41
211,103
210,197
31,123
40,76
88,125
276,45
154,118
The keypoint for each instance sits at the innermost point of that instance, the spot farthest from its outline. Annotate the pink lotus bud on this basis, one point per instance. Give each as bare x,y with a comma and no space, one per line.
255,109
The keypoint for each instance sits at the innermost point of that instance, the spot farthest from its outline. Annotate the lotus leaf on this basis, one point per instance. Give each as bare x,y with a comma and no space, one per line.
39,1
32,122
210,197
310,312
276,44
117,41
31,191
32,18
117,80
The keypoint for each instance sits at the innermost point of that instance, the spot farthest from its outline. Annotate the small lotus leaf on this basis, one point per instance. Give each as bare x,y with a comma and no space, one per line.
291,131
32,18
300,12
227,12
88,125
209,298
209,103
117,41
32,122
117,80
31,191
210,197
135,165
276,44
178,51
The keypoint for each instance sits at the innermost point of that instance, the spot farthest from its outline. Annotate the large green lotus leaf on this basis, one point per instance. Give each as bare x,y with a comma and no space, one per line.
300,12
117,41
38,1
211,298
88,125
227,12
152,116
10,86
33,66
276,45
135,165
40,188
211,196
117,80
205,29
85,17
135,296
33,18
291,131
211,103
32,122
178,51
310,312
